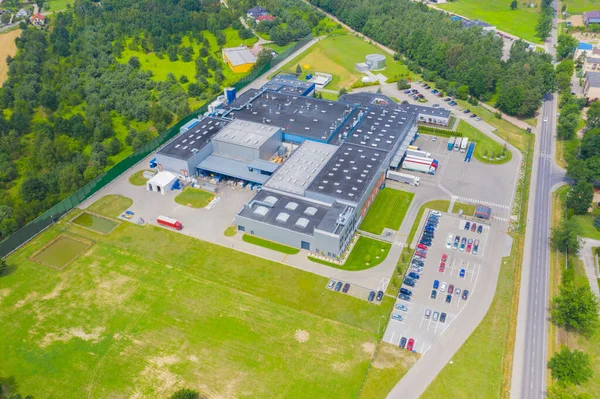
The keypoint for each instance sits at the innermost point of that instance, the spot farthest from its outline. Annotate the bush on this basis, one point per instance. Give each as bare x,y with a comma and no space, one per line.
403,84
498,115
360,83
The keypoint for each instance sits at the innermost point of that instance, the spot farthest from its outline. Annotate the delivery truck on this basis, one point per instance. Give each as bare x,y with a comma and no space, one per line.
457,143
451,143
417,153
403,178
414,147
169,222
434,162
418,166
464,144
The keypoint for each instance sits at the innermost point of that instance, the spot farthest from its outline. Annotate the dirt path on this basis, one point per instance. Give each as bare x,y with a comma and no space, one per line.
7,47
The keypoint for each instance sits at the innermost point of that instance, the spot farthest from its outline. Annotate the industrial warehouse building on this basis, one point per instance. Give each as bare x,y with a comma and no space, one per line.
240,59
319,164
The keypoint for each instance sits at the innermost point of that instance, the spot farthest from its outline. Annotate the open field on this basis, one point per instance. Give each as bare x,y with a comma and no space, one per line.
194,197
387,211
57,5
111,205
485,147
520,22
138,179
331,55
586,224
146,311
468,209
7,48
367,253
580,6
275,246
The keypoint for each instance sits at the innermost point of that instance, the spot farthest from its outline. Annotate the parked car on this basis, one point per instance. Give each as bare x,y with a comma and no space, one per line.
453,103
422,255
427,313
473,116
402,343
442,267
404,297
433,294
435,105
411,344
449,241
405,291
422,246
475,247
443,287
414,275
436,284
450,288
371,296
478,118
448,298
406,91
480,229
463,243
425,242
447,99
346,288
417,262
339,285
444,257
473,227
436,315
457,292
465,295
456,242
402,307
379,296
436,213
409,282
443,317
467,225
469,245
415,270
397,316
331,284
466,111
462,273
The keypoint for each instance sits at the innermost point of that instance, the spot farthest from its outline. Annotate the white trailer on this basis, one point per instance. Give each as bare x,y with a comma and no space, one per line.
418,166
403,178
464,144
417,153
433,162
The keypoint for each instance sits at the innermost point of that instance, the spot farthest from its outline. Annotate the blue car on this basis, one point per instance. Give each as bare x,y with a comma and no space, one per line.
403,343
371,296
409,282
467,225
404,297
414,275
429,228
462,273
405,291
436,284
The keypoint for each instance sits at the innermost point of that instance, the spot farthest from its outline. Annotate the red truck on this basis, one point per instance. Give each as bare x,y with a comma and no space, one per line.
169,222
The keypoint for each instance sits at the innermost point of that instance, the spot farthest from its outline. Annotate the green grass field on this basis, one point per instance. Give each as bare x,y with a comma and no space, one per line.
146,311
485,147
194,197
581,6
387,211
468,209
331,55
138,179
586,224
520,22
57,5
270,244
111,205
367,253
230,231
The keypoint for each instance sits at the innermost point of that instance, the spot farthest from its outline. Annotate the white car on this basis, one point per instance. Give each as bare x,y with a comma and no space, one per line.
450,241
545,119
331,284
443,287
436,213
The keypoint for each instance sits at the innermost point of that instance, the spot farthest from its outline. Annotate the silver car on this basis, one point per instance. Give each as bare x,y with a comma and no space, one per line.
397,316
436,315
427,313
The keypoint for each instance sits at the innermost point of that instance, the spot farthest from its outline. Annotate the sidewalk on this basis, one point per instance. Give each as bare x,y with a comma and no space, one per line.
588,258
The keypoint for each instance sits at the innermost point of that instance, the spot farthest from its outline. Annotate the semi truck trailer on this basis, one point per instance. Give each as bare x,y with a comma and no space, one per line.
464,144
414,147
418,166
417,153
451,143
169,222
434,162
403,178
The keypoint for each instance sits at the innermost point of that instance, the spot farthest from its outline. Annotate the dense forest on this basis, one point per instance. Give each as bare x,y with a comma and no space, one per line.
69,108
460,61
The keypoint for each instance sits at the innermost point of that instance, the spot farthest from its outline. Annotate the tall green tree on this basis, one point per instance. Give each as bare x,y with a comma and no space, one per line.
576,308
566,46
566,237
571,367
580,197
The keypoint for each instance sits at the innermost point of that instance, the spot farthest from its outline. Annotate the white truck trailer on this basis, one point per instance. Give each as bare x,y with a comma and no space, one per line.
418,165
464,144
403,178
417,153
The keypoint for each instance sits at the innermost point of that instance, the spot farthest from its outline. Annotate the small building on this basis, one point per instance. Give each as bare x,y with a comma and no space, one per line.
591,17
591,64
361,66
583,49
256,12
376,61
321,79
483,212
267,17
37,20
162,182
22,13
240,59
591,87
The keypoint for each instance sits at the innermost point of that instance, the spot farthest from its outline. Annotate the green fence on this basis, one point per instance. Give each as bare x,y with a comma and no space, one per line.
59,210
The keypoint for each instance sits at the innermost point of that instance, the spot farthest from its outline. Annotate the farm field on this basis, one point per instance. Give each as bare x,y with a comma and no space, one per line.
146,311
387,211
331,55
520,22
7,48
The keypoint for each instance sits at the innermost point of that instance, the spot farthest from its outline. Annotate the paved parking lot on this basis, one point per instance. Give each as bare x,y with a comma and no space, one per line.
425,330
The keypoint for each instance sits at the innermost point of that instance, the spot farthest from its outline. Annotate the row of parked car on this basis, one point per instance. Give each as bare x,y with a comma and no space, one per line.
463,244
338,286
448,290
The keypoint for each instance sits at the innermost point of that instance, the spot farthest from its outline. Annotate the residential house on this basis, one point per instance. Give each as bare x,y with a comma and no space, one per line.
265,18
591,17
37,20
240,59
583,48
591,87
22,13
591,64
256,12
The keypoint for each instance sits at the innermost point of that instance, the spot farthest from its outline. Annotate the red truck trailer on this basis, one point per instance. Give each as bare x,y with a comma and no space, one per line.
169,222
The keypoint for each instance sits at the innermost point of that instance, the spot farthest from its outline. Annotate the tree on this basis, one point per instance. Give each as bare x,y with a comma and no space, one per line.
578,170
186,394
571,367
576,308
566,46
203,52
597,222
565,237
343,91
581,197
462,92
298,69
114,147
134,62
593,115
513,5
403,84
33,189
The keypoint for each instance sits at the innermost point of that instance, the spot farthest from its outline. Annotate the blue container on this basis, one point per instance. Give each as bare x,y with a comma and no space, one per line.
230,94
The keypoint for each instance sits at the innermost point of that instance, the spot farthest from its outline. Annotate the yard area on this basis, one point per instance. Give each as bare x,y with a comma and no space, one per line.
57,5
138,179
194,197
520,22
387,211
331,55
148,311
581,6
269,244
486,149
468,209
8,47
367,253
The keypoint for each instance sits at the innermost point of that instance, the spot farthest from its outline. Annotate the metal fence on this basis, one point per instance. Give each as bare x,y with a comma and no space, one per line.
59,210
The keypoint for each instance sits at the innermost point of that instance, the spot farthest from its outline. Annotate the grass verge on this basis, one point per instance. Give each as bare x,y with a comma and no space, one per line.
366,253
387,211
138,179
111,205
230,231
194,197
270,244
468,209
566,151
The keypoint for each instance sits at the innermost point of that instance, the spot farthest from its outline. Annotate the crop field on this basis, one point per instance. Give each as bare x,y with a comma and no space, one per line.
146,311
7,48
387,211
520,22
331,55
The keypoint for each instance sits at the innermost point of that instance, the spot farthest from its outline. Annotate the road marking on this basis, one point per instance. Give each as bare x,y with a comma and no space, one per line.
475,201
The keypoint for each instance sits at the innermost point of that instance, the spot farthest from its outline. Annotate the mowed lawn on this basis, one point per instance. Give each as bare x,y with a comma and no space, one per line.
366,253
520,22
337,55
387,211
486,149
146,311
581,6
7,48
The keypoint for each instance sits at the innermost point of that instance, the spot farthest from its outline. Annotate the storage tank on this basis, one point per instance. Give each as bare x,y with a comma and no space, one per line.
230,94
376,61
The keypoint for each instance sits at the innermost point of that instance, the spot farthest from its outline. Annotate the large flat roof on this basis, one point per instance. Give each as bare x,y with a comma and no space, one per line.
381,128
239,55
284,211
424,110
303,116
302,166
231,167
336,218
246,133
349,172
185,145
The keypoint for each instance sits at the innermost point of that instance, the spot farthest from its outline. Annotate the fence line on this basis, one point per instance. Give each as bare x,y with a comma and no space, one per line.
31,229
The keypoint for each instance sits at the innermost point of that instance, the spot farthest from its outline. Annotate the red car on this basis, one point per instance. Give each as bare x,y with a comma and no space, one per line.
422,246
442,267
422,254
411,344
450,288
444,257
473,227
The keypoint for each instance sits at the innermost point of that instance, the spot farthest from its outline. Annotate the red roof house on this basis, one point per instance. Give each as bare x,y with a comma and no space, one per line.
38,19
265,18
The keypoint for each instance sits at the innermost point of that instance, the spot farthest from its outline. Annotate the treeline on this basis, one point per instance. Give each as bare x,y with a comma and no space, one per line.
66,94
443,51
544,24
